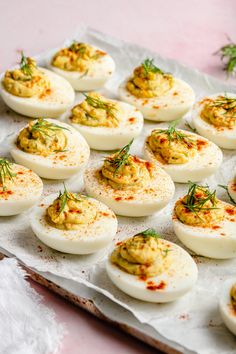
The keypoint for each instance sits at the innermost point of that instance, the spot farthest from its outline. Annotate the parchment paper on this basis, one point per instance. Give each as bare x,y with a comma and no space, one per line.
193,321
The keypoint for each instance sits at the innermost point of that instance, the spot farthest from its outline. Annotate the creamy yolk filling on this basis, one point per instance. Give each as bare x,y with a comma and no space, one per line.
27,81
42,141
233,296
149,84
69,211
97,111
219,115
140,255
208,215
174,150
78,57
133,174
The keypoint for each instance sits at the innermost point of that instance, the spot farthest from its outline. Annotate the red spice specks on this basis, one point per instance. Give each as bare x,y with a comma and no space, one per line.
230,210
119,243
201,144
118,199
129,198
148,165
215,227
157,107
153,286
143,277
20,173
132,119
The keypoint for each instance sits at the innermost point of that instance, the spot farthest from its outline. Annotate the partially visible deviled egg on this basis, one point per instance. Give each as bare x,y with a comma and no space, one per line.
215,118
20,188
205,224
232,190
36,92
129,185
106,124
150,268
227,305
85,66
73,223
158,95
52,149
183,155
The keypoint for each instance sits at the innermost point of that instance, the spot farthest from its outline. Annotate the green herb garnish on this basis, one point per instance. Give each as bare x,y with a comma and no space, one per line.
197,203
226,188
173,133
100,104
64,197
190,127
24,65
225,102
165,252
43,126
149,66
6,171
120,158
228,56
150,232
78,47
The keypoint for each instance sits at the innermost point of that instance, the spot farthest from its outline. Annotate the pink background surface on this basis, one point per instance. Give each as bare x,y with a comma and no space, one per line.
189,31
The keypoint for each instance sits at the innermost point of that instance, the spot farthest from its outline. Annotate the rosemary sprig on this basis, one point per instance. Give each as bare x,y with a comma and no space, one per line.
24,65
149,66
228,56
226,188
225,102
172,133
150,232
100,104
195,203
64,197
42,126
6,171
120,158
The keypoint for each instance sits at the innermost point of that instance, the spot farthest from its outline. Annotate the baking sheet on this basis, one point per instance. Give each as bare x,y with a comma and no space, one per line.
197,312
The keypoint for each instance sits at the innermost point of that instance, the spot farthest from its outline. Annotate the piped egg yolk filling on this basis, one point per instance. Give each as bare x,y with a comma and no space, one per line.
69,211
129,174
140,255
220,112
78,57
27,81
178,148
42,138
148,84
233,296
96,111
199,209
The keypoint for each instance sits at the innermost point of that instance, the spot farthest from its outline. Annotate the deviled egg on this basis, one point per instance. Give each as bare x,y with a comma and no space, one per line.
183,155
205,224
20,188
129,185
52,149
36,92
215,118
151,269
158,95
73,223
232,190
106,124
85,66
227,305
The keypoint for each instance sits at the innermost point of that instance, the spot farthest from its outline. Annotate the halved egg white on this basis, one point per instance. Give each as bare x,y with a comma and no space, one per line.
21,193
146,201
53,104
223,137
227,312
218,241
112,138
96,77
232,189
57,165
174,104
178,278
89,238
204,163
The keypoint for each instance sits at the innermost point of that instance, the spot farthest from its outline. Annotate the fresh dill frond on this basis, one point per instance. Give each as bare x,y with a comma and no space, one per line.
228,56
64,197
149,66
173,134
24,65
225,102
100,104
227,190
43,126
150,232
6,171
120,158
194,130
78,47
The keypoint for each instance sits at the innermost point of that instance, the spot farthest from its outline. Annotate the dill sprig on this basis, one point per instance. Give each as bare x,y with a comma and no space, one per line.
64,197
100,104
225,102
77,47
227,190
149,66
43,126
196,203
228,56
120,158
6,171
24,65
150,232
172,133
194,130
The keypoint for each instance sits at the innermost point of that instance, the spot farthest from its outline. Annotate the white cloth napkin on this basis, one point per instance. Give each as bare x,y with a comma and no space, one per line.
26,325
